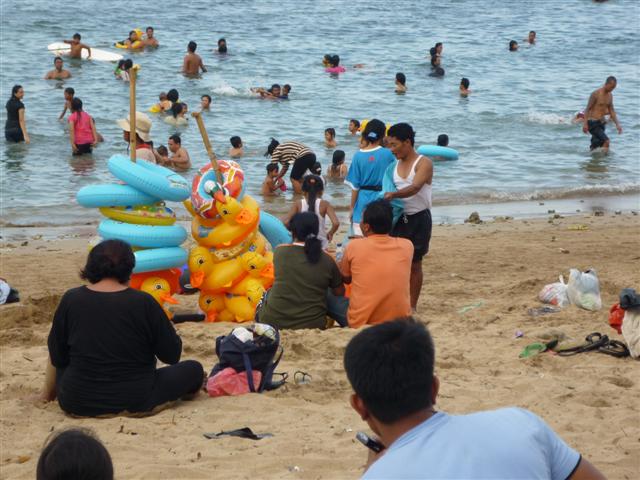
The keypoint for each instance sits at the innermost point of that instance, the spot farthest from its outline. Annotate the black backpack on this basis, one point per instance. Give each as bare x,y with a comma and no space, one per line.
257,354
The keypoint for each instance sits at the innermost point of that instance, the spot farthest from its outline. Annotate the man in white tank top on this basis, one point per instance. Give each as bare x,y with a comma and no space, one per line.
412,176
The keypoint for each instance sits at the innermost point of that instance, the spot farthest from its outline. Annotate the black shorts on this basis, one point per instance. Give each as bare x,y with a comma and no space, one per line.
14,135
83,148
417,228
598,137
301,165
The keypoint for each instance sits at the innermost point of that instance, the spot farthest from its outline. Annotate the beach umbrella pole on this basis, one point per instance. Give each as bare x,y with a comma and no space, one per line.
207,145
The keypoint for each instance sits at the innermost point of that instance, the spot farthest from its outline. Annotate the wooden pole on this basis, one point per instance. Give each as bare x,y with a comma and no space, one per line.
133,73
207,145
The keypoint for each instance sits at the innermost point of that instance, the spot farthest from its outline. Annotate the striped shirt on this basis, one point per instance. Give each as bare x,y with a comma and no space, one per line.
288,152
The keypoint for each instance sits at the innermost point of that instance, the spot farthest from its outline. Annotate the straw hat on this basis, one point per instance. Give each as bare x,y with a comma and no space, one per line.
143,125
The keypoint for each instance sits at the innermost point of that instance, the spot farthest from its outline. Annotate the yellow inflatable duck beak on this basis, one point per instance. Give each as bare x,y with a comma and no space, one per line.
268,272
165,297
211,317
196,279
220,197
245,217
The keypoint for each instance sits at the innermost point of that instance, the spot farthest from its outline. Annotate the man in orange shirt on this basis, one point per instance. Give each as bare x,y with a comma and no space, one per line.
378,268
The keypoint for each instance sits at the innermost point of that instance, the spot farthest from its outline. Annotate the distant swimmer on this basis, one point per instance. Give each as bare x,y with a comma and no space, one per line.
77,46
273,93
177,118
286,89
443,140
437,72
237,148
192,63
68,97
401,83
330,138
513,46
464,87
179,158
354,126
600,104
222,46
436,54
151,40
58,73
205,102
531,39
334,65
132,39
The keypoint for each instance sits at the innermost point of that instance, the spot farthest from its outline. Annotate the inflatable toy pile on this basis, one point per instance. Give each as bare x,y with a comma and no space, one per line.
232,265
135,213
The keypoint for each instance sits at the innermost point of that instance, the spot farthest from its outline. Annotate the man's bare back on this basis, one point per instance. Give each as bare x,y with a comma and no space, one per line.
192,64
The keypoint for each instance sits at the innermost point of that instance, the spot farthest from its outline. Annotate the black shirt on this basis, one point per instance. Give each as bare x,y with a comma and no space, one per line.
13,120
104,347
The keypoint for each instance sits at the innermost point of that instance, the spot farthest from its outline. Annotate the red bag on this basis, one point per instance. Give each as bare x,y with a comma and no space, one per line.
616,316
230,382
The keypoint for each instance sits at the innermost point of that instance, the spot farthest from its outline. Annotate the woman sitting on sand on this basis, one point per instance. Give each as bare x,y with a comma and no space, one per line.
104,342
304,274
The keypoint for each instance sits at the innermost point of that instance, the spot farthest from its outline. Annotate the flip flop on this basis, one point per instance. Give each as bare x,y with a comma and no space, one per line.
594,341
532,350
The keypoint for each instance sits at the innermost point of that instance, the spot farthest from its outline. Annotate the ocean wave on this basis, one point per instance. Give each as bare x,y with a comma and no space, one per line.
542,118
541,194
229,91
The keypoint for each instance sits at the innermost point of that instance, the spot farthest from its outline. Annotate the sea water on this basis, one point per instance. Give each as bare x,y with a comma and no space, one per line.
514,132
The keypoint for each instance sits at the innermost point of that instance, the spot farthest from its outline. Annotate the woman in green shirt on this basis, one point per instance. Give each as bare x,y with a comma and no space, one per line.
304,273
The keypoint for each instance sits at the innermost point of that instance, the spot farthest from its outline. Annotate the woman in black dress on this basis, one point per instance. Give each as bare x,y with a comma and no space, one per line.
104,341
15,128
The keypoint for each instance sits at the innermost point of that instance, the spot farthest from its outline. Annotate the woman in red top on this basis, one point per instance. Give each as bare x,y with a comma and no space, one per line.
82,129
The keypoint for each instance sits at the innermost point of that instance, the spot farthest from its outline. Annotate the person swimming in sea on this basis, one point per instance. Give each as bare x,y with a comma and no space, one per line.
237,148
513,46
401,83
354,127
464,87
272,184
177,117
438,72
338,169
330,138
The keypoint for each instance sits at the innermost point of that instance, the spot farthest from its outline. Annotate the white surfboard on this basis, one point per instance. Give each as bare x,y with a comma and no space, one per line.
60,48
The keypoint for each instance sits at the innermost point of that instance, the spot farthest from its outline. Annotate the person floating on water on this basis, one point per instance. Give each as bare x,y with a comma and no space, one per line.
438,72
205,102
412,177
69,92
132,39
192,63
58,73
273,93
286,89
531,39
15,127
177,118
76,47
151,40
292,154
443,140
513,46
600,105
222,46
237,148
464,87
354,127
330,138
401,83
272,183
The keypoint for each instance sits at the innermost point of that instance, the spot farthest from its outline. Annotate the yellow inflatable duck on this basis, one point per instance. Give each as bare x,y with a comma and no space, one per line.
243,307
214,308
160,290
258,267
239,221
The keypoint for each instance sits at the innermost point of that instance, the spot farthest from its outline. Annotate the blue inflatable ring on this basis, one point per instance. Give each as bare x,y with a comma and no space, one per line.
274,230
112,195
152,179
159,259
145,236
444,153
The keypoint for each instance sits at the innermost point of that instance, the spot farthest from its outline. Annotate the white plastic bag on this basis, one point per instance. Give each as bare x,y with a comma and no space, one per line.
631,331
584,289
555,293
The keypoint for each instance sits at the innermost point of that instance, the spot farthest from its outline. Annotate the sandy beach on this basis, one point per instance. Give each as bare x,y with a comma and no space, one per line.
480,282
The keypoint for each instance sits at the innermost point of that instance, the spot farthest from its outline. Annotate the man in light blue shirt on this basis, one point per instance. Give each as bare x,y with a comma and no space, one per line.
390,367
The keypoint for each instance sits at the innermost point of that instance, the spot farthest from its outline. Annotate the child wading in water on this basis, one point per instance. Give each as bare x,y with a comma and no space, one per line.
270,185
312,188
337,169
